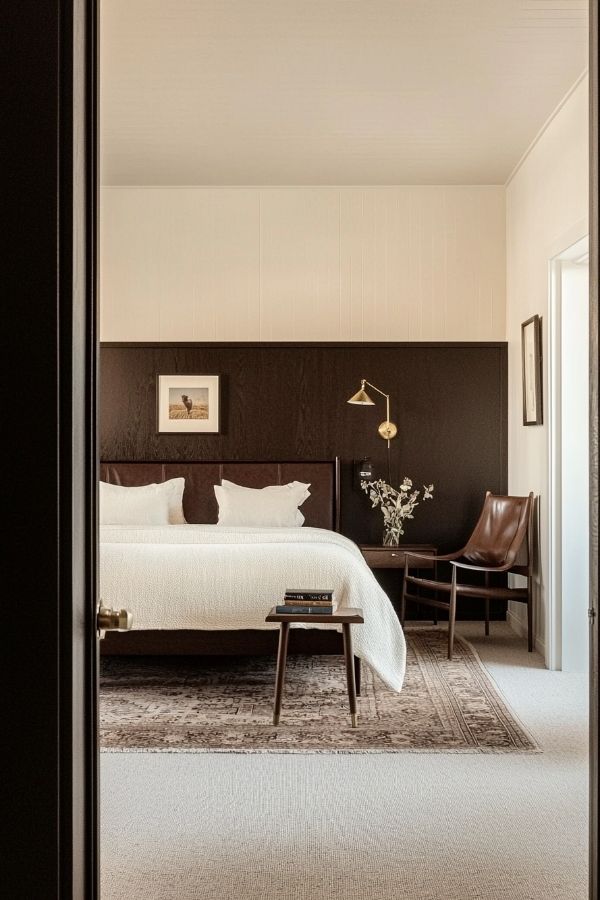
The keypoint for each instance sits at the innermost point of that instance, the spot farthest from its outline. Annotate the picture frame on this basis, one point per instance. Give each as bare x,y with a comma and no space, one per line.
188,404
531,360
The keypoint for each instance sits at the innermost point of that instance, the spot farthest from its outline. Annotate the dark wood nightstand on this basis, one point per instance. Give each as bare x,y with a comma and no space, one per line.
380,557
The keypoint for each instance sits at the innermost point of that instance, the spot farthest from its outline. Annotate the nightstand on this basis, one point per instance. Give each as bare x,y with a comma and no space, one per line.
379,557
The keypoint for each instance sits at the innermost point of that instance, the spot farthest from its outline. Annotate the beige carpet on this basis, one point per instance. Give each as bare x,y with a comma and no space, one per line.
384,826
226,705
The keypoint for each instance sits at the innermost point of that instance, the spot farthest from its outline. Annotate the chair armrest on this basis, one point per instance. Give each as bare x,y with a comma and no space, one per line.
432,556
462,565
409,556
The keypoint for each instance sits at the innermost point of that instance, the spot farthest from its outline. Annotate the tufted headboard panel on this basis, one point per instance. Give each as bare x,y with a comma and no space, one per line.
321,510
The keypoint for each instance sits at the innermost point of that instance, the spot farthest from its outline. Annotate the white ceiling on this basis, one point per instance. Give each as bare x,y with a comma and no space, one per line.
330,91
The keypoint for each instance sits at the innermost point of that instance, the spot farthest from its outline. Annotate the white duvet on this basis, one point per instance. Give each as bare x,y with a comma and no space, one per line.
216,577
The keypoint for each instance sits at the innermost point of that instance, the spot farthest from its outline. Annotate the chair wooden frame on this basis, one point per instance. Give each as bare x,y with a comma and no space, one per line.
518,561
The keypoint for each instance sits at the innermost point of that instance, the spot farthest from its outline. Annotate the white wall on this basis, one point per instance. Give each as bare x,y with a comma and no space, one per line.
546,211
412,263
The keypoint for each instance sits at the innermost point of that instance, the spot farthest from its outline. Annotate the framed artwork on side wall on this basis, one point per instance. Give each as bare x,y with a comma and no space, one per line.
531,357
187,404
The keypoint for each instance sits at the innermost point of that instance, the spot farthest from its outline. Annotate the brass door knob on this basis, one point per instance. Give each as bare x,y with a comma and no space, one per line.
113,619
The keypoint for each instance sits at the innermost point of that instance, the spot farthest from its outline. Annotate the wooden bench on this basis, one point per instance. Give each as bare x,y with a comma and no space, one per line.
346,618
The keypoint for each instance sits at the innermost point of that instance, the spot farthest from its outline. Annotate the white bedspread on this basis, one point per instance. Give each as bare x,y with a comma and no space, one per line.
215,577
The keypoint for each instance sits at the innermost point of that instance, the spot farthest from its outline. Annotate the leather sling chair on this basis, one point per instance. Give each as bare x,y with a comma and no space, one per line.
500,542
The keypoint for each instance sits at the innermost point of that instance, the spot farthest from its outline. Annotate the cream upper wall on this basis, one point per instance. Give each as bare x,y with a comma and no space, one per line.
546,211
414,263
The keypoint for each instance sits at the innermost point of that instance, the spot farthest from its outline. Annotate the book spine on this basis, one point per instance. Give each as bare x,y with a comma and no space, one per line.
294,601
324,597
304,610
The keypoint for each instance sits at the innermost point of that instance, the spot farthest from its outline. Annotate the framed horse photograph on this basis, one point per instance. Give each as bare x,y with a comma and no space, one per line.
187,404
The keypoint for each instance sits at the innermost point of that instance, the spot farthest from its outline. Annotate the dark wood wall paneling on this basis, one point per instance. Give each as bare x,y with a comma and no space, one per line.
288,402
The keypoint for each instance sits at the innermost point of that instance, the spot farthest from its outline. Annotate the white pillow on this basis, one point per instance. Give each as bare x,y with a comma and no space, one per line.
148,504
275,505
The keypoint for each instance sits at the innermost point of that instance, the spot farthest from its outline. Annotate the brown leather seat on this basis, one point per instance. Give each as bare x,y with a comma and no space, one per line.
500,542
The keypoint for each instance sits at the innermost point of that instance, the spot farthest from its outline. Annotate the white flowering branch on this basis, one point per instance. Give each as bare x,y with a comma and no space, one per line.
396,505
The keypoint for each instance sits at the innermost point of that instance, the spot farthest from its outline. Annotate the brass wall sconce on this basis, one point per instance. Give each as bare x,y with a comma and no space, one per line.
387,430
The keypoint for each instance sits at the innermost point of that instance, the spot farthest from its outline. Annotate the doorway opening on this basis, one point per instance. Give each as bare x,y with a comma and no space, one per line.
568,380
224,250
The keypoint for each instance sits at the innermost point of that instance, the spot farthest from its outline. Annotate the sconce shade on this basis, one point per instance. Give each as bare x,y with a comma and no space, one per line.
361,398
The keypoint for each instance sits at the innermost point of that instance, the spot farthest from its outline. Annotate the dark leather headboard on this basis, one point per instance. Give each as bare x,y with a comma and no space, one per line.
321,510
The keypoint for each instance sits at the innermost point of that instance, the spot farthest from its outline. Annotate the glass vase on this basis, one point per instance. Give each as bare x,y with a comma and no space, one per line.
392,532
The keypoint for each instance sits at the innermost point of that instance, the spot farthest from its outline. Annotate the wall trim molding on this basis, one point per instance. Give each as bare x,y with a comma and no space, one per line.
300,187
546,125
234,345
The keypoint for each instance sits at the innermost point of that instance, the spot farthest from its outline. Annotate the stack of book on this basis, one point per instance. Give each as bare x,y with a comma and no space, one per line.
306,602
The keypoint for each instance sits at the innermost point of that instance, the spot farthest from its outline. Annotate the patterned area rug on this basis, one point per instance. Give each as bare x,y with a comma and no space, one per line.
178,705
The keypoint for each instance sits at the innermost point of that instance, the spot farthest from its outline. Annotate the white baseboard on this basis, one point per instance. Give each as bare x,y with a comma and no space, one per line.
516,623
519,626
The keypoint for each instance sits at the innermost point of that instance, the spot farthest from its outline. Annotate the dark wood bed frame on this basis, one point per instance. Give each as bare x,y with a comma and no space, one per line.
321,510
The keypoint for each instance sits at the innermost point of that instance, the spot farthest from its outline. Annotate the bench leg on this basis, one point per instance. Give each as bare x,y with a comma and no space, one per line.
281,661
357,674
530,614
350,673
452,614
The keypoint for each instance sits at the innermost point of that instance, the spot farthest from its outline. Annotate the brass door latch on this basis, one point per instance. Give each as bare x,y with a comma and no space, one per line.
113,620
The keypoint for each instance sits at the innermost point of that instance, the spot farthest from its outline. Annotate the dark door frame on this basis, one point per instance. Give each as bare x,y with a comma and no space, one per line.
48,172
50,839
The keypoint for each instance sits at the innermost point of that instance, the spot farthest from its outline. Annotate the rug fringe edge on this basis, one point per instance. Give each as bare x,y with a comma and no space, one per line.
342,751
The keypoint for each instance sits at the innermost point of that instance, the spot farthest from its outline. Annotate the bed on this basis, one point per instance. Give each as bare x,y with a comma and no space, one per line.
201,588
